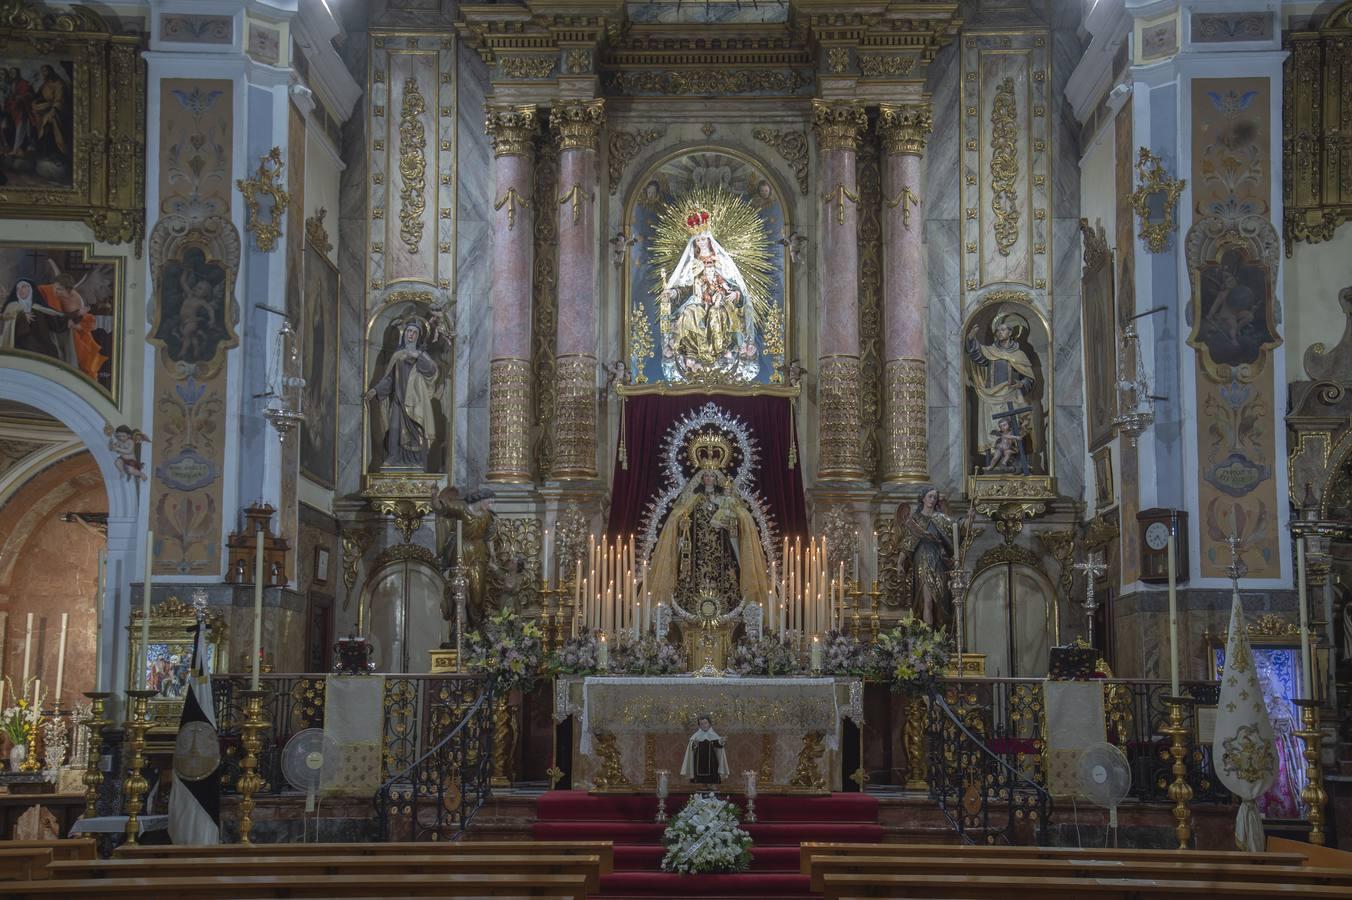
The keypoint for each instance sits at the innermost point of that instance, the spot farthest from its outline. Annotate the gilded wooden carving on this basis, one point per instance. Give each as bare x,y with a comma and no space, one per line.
265,183
1004,166
412,166
1154,200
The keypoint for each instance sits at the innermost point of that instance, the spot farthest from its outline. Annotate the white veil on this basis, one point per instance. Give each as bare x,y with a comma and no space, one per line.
690,265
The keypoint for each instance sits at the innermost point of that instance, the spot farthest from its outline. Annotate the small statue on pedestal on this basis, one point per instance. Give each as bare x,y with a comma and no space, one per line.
705,761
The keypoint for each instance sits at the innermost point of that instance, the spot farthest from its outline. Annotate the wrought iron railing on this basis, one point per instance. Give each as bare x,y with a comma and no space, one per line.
435,798
420,710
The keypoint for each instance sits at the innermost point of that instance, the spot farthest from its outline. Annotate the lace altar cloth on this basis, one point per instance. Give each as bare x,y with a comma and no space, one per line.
671,705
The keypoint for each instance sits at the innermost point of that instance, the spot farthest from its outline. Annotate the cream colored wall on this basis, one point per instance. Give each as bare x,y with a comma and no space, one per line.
322,172
1098,204
1313,276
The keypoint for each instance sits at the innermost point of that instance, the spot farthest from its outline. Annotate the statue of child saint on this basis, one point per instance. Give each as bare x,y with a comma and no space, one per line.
705,762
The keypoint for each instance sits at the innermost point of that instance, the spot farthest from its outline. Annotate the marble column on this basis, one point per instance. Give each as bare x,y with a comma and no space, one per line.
512,129
905,449
577,125
838,125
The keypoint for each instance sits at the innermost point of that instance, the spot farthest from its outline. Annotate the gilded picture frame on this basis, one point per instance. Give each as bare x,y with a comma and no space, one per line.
166,659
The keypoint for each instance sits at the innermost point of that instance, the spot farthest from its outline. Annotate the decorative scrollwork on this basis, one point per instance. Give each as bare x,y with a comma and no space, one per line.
708,82
1153,182
792,146
1004,166
527,66
265,182
412,166
316,233
623,147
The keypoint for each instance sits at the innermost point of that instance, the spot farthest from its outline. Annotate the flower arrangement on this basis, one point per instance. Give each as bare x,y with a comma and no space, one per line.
577,656
768,656
912,654
648,655
706,836
19,721
507,648
845,654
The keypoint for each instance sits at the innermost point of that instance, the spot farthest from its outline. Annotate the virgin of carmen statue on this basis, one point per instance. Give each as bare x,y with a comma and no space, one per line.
713,331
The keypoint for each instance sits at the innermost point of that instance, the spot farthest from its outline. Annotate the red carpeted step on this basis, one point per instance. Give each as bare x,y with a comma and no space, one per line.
794,833
781,886
619,832
777,834
579,805
648,857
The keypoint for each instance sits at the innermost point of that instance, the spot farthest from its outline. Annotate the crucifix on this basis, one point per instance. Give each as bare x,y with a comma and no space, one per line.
1091,569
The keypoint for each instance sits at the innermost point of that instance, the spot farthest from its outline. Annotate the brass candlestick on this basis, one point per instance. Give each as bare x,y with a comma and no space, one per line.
857,592
135,784
1179,791
545,636
93,776
249,780
1313,793
30,761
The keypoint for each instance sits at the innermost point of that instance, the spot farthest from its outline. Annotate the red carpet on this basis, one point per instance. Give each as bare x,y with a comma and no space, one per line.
782,824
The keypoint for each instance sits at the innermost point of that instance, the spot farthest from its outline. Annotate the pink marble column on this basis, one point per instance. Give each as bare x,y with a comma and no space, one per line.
905,445
577,126
838,125
512,129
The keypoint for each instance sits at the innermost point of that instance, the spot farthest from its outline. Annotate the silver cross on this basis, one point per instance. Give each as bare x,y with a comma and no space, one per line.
1091,568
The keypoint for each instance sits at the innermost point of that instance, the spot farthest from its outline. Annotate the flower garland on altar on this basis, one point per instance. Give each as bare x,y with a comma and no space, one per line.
648,656
770,656
576,656
706,836
508,649
911,655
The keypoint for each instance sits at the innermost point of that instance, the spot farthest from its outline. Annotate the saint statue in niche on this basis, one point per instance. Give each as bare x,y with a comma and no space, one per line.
924,540
705,761
713,329
1006,380
405,391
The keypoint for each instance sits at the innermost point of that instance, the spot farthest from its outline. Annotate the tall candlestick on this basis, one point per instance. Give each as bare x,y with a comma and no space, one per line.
258,605
647,611
1173,617
637,616
98,619
459,541
1307,672
602,654
27,649
877,573
816,654
61,661
577,595
769,601
144,661
545,572
957,541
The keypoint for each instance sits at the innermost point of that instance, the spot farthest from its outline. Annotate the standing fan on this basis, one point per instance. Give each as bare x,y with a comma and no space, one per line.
1104,778
306,759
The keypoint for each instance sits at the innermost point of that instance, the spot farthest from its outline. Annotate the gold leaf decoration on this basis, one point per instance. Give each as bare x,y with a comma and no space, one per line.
1005,166
412,166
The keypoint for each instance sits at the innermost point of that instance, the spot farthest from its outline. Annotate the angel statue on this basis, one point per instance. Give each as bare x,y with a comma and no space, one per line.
924,541
473,514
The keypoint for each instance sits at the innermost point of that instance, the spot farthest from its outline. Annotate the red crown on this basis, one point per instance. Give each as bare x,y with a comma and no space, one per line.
697,221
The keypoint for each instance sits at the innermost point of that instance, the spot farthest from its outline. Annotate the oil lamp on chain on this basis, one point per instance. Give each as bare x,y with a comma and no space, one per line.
285,390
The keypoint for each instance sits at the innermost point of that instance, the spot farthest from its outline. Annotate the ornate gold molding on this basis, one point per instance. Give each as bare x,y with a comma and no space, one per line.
512,129
792,146
905,198
1151,181
316,233
622,147
1316,104
508,420
907,421
707,82
405,498
905,129
1061,546
511,200
1004,166
885,65
528,66
575,417
412,166
838,124
574,197
1009,499
838,195
838,413
354,543
265,182
869,171
577,124
544,311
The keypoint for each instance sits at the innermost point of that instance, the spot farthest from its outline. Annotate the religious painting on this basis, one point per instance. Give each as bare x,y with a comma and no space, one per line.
37,143
1103,478
707,301
319,343
1005,390
63,304
408,385
1100,335
194,322
163,664
1234,324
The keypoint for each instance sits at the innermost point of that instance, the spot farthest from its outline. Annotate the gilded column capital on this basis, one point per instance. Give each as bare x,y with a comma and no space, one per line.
905,128
511,128
577,123
838,124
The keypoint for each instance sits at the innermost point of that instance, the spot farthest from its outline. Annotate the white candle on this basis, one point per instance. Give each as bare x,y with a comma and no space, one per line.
544,575
1173,617
258,605
144,662
459,541
1306,671
577,595
750,782
647,611
783,614
816,654
98,619
37,693
662,783
602,654
957,541
27,649
770,606
61,661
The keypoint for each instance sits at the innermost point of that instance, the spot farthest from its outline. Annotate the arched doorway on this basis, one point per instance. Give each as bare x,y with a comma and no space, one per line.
403,603
1011,618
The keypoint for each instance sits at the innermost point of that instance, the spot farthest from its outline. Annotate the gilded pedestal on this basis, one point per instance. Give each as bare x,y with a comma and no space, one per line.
1313,795
134,785
1180,792
249,780
93,776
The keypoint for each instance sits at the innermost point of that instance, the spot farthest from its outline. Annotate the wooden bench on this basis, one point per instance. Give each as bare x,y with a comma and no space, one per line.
956,885
1017,870
810,849
605,850
451,864
24,864
338,887
62,848
1314,854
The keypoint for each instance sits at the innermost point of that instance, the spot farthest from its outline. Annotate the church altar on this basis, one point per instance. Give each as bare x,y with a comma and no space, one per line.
787,730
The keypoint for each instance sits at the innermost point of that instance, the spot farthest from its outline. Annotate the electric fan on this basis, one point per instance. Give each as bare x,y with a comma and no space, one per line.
307,757
1104,778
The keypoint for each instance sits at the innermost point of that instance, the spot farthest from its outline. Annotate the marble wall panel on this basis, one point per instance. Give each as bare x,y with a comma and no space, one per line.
408,126
352,256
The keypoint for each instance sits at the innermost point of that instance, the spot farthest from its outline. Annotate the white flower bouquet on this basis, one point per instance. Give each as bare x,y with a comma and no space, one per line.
706,836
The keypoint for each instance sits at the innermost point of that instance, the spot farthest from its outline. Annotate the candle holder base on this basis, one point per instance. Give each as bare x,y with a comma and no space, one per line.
135,784
1313,794
249,781
1179,790
93,776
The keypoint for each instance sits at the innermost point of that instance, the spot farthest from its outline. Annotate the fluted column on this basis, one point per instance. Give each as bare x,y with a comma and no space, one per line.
904,130
838,125
576,126
512,128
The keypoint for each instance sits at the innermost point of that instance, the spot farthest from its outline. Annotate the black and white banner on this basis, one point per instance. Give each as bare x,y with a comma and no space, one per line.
195,802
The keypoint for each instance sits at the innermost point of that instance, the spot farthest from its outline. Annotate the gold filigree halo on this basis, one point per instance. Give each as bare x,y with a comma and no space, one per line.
709,451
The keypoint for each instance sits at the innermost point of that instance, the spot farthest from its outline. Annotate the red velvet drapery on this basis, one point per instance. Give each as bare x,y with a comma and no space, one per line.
648,418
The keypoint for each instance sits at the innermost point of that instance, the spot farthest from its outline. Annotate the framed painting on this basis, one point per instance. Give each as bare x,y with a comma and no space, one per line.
63,303
165,661
323,558
1099,319
1104,496
319,348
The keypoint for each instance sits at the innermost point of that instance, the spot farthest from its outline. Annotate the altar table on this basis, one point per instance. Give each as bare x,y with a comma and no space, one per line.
787,730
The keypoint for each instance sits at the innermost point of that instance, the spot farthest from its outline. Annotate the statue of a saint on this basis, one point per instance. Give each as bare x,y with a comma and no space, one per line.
713,329
474,512
1009,405
709,545
705,760
924,536
406,390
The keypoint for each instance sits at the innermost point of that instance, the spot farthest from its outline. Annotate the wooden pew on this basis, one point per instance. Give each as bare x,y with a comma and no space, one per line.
603,849
964,851
62,848
330,887
24,864
955,885
1017,870
1314,854
453,865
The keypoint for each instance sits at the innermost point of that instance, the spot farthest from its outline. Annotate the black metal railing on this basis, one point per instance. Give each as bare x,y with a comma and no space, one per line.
436,797
419,712
980,789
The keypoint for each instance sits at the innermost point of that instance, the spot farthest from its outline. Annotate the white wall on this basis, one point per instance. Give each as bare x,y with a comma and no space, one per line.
1313,276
